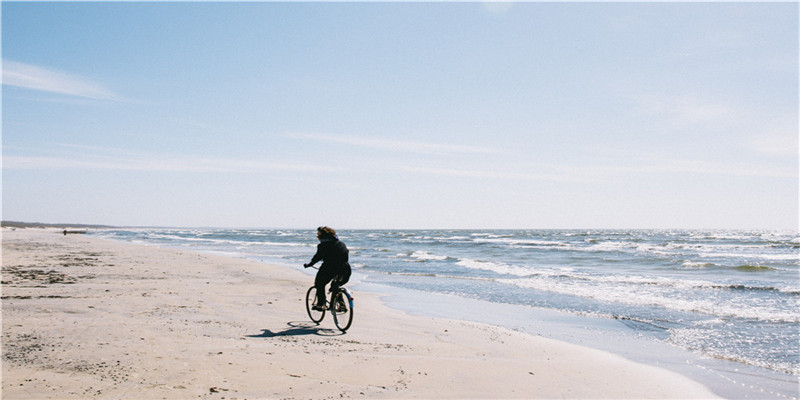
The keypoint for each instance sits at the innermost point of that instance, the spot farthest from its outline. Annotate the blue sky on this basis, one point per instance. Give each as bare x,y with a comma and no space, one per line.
401,115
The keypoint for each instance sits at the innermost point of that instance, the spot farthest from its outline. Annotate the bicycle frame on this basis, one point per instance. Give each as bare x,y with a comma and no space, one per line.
343,318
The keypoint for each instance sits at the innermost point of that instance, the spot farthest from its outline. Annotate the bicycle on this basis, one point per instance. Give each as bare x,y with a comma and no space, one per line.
340,305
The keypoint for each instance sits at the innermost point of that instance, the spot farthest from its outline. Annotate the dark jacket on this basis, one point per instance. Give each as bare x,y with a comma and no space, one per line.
334,255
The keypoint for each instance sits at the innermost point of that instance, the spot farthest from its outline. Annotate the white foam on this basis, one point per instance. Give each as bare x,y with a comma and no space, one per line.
649,295
521,242
773,257
504,269
697,265
426,256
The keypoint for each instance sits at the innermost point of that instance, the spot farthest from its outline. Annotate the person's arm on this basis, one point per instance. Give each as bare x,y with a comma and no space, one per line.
316,257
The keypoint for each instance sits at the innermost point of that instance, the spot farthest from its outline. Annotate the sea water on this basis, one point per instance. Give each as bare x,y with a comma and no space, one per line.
723,295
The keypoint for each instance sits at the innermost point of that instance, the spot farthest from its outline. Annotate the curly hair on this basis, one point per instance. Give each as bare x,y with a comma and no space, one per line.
326,231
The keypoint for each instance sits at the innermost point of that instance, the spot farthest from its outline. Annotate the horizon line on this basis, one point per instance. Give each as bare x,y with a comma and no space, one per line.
43,225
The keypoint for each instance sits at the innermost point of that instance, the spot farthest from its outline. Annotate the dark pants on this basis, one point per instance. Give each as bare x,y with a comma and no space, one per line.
324,275
327,274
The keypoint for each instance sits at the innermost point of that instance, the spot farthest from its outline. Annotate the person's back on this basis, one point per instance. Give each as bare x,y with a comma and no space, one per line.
334,254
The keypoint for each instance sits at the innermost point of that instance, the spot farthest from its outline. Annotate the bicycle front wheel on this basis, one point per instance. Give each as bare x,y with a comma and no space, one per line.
311,299
342,309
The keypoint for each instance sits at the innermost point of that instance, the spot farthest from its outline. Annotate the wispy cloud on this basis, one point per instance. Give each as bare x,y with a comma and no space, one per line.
49,80
397,145
99,158
686,109
492,174
610,172
701,167
158,164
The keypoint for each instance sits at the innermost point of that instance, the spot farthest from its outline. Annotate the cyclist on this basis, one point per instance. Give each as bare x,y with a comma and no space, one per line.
335,256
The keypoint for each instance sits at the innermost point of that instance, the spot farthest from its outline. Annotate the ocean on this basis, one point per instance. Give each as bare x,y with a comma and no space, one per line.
730,297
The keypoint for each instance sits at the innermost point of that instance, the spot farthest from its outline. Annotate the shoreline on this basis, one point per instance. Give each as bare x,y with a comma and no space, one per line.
726,378
630,338
87,317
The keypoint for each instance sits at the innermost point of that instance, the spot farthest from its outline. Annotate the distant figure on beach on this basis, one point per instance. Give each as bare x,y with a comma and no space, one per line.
335,267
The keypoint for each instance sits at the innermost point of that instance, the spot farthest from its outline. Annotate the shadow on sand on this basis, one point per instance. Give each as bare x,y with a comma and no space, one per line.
298,329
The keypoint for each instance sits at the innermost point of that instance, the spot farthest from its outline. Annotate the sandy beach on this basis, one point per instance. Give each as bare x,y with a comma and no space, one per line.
90,318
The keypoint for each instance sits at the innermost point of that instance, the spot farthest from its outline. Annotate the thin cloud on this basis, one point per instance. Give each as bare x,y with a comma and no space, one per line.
489,174
656,164
687,109
33,77
605,173
699,167
397,145
98,158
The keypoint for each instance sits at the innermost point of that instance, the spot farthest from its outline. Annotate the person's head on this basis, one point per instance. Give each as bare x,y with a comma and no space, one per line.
326,232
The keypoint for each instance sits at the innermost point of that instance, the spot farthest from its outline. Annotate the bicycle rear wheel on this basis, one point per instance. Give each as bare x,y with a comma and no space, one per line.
342,309
311,299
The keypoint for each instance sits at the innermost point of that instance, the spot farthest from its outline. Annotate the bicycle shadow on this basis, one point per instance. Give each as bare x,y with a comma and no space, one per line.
298,328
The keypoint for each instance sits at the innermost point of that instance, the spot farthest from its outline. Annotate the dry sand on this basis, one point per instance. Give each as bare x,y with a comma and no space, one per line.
89,318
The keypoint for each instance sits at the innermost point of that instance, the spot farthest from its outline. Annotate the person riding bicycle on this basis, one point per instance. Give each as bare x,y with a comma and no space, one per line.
335,267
